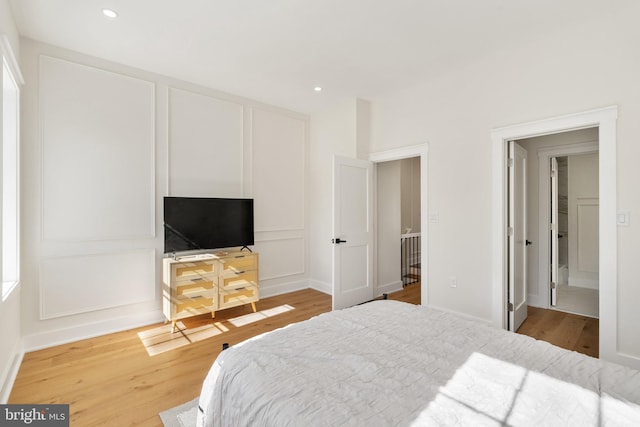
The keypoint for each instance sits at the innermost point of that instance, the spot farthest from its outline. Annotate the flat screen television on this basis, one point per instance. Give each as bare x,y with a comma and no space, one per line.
201,223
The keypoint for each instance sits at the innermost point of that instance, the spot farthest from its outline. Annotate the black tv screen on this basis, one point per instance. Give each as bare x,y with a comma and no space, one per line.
197,223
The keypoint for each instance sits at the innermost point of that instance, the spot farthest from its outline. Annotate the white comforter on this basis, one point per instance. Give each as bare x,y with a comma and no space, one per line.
388,363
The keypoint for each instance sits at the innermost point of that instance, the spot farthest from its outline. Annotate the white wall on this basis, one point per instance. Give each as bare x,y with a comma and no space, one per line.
103,143
578,68
332,132
10,329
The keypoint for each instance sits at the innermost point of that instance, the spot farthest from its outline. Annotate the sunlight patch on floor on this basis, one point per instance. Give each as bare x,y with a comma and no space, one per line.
161,339
260,315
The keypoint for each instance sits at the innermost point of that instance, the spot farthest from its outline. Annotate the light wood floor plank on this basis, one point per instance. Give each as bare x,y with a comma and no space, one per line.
566,330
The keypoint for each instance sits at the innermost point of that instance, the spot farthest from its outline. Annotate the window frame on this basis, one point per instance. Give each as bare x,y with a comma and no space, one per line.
11,71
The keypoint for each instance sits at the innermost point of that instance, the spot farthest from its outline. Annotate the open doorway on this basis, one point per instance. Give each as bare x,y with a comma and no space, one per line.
563,215
399,228
604,120
354,199
574,235
388,273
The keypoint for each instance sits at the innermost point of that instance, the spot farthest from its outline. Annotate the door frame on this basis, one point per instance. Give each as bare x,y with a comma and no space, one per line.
544,206
605,119
420,150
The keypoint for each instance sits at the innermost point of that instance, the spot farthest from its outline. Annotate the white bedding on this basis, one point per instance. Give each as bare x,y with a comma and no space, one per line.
390,363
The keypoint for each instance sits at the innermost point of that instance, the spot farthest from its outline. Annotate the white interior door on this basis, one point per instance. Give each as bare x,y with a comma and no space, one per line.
517,236
352,232
553,230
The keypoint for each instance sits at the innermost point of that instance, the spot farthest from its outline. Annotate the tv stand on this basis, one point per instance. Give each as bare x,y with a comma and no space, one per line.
245,247
206,283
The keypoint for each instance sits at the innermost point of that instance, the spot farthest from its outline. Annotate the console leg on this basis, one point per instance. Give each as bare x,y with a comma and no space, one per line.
173,326
253,305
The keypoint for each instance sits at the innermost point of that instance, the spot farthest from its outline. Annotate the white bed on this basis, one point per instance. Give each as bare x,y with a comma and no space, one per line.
391,363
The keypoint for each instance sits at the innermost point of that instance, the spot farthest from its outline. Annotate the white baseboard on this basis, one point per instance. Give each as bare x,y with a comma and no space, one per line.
267,290
465,315
10,372
323,287
625,359
390,287
537,301
583,283
63,336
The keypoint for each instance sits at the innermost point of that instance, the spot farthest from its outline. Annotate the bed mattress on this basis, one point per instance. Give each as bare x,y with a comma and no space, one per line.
389,363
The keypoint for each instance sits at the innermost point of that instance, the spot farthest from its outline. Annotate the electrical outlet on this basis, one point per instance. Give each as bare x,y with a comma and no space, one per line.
453,281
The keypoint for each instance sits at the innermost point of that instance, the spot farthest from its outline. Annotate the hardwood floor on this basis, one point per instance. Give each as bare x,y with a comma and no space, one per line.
410,294
112,380
566,330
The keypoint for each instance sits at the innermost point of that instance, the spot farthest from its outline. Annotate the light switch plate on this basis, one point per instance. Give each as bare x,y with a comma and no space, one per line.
623,218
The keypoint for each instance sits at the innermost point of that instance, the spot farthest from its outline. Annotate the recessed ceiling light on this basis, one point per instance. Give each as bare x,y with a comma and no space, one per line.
109,13
317,89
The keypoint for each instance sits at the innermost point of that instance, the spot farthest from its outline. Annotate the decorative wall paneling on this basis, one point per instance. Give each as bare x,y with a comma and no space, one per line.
285,257
109,142
278,159
586,271
98,153
205,146
79,284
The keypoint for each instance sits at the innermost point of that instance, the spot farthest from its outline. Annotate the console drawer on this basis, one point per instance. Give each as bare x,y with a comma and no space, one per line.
199,304
238,296
231,280
190,270
194,286
239,263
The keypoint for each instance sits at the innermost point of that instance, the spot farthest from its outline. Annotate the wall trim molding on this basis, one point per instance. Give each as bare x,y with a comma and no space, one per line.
14,65
461,314
45,60
267,291
149,254
390,287
324,287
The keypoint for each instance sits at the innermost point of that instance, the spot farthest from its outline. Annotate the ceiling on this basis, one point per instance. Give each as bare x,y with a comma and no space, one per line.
277,51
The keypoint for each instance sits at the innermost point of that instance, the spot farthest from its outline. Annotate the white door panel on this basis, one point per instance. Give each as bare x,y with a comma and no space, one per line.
518,236
352,232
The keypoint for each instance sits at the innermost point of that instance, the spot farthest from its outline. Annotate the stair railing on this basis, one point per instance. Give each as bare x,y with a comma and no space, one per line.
410,258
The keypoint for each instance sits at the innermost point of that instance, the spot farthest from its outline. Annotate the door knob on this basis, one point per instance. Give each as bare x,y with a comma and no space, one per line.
528,242
338,240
